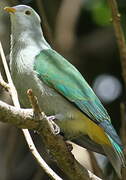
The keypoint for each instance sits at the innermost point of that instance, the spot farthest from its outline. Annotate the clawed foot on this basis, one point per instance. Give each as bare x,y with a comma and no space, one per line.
55,128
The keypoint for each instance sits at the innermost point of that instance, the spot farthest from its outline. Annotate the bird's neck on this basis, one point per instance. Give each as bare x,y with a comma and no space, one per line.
25,45
28,38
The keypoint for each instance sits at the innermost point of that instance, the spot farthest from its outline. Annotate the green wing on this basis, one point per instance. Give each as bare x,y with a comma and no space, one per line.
61,75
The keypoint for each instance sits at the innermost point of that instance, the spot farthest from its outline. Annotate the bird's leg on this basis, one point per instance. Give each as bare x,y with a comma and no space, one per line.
55,128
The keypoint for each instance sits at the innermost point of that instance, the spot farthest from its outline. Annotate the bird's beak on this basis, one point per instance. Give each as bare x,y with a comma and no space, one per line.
10,9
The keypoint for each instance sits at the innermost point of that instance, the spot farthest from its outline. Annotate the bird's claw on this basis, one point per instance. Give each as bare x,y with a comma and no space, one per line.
55,128
51,118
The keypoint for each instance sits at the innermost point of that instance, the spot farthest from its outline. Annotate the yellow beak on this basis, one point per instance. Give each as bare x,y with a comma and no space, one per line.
10,9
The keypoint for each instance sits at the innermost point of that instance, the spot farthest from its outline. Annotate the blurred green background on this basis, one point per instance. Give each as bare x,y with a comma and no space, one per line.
81,31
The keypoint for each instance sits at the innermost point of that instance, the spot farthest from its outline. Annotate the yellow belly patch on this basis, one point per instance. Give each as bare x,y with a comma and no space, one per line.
95,132
82,124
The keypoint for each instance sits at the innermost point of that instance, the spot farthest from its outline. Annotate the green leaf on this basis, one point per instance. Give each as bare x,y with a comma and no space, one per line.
101,13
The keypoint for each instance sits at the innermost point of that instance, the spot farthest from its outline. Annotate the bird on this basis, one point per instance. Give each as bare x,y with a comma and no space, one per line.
60,88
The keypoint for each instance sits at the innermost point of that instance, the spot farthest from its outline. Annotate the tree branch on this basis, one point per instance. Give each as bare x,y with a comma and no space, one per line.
119,35
24,118
122,49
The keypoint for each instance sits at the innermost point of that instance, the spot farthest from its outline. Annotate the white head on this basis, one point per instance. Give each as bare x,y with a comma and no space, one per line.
23,16
25,25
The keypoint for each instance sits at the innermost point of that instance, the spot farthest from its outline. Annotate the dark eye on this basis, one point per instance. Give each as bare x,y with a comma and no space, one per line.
27,12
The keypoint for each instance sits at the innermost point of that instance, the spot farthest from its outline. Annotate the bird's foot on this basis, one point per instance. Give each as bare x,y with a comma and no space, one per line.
55,128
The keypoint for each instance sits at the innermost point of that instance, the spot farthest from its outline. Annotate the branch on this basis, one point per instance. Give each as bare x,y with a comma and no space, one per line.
119,35
24,118
4,84
123,132
122,48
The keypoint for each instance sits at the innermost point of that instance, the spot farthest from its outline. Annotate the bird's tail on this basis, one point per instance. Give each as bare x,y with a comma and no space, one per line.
115,155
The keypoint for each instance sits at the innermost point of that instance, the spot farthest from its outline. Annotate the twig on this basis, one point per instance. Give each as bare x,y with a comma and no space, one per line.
34,103
123,124
4,84
26,133
12,88
123,132
119,35
121,44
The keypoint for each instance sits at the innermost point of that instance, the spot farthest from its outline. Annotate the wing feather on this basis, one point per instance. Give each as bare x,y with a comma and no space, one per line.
58,73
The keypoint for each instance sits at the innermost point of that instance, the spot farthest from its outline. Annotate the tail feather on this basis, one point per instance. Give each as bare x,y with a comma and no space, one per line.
115,156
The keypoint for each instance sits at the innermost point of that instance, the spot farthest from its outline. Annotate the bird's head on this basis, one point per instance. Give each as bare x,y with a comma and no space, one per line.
25,27
22,15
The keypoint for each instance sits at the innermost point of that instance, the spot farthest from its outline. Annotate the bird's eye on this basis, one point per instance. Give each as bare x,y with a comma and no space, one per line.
27,12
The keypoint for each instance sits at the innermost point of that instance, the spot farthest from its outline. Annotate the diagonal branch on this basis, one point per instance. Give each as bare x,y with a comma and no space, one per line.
122,48
119,35
4,84
24,118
